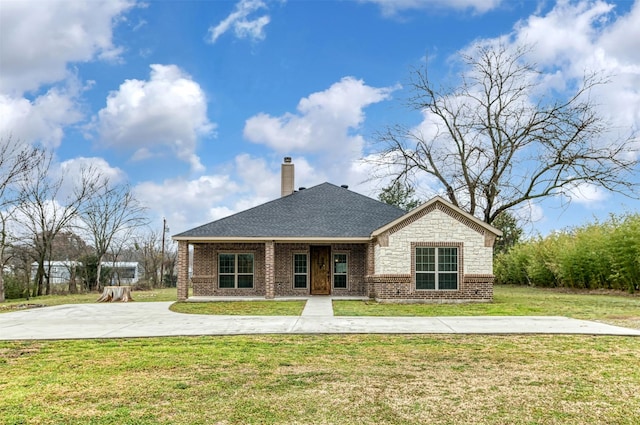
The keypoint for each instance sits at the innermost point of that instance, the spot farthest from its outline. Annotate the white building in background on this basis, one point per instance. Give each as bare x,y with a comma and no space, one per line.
122,272
60,271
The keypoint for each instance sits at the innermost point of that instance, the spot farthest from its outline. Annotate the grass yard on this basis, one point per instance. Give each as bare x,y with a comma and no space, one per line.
241,308
621,310
164,294
351,379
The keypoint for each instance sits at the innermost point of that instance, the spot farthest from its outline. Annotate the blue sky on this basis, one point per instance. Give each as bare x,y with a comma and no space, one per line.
195,103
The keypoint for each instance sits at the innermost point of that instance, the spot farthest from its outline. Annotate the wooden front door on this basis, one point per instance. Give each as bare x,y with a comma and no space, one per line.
320,270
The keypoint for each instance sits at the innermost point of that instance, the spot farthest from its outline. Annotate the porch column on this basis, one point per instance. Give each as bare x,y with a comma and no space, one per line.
270,269
183,270
371,269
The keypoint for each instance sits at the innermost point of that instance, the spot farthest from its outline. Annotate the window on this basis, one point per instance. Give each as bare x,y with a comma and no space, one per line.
235,270
437,268
339,270
300,274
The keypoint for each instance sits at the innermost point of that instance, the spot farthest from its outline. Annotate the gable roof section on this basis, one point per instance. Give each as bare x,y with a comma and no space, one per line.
322,211
446,207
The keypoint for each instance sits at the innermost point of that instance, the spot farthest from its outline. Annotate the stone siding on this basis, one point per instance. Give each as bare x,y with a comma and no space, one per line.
393,255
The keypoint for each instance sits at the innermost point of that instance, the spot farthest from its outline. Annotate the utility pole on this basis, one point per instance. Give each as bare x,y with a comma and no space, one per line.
164,229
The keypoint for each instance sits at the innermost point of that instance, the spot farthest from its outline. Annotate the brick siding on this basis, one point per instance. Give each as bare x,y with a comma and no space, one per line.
205,269
401,288
183,270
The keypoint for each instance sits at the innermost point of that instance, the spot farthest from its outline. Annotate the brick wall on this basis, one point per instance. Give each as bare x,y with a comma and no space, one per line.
183,270
284,269
357,258
205,269
400,288
205,266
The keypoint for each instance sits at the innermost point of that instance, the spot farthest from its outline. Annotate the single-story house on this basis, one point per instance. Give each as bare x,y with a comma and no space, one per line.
329,240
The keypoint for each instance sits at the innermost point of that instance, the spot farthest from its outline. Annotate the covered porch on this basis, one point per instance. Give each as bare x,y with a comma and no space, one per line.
274,268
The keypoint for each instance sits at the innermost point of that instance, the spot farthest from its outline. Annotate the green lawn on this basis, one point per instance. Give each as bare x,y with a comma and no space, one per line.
164,294
341,379
619,309
241,308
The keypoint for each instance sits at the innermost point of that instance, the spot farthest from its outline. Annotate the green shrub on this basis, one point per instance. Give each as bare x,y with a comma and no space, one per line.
598,255
14,287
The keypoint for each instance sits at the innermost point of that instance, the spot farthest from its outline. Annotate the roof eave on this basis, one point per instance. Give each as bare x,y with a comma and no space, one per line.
430,202
260,239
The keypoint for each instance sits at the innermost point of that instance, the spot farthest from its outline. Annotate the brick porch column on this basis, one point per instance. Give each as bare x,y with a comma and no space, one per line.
183,270
370,269
270,269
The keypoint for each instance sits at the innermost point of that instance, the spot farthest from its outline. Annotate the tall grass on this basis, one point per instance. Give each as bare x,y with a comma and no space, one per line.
595,256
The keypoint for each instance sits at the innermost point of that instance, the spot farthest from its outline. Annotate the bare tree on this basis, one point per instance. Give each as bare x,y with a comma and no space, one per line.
170,263
500,139
70,247
16,160
46,211
111,212
149,251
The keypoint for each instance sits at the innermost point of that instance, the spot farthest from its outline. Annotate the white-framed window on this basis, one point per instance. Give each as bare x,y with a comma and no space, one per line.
436,268
235,270
300,270
340,268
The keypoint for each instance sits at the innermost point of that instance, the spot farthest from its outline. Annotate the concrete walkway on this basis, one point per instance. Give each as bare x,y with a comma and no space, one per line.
318,306
124,320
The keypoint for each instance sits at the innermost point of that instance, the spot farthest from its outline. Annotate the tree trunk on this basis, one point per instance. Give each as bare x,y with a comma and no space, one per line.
115,293
73,288
98,272
37,290
1,285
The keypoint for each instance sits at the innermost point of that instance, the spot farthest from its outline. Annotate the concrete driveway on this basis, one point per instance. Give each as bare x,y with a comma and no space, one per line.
124,320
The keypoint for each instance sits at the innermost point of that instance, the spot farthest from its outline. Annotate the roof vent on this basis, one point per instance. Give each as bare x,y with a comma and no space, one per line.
301,188
345,186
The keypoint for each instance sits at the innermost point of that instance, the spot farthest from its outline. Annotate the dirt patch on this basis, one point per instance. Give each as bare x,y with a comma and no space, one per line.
25,306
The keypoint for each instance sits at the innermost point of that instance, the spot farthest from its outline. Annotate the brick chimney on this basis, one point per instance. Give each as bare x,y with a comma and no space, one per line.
287,177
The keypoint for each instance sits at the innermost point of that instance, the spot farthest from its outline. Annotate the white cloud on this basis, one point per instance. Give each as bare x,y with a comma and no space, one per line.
41,120
622,38
325,127
69,172
259,177
75,166
588,194
239,20
188,203
393,7
40,38
169,111
563,36
324,121
574,37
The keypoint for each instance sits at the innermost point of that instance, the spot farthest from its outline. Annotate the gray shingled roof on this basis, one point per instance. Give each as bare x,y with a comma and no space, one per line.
325,210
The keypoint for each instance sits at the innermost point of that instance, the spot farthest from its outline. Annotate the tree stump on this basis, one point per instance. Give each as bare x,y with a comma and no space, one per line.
115,293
